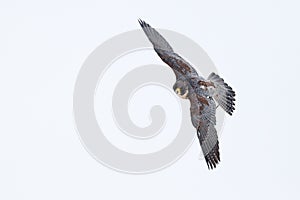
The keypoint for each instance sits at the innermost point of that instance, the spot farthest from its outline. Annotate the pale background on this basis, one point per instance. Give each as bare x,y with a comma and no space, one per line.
254,44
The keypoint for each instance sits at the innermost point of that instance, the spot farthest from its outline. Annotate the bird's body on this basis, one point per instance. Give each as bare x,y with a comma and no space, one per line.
201,92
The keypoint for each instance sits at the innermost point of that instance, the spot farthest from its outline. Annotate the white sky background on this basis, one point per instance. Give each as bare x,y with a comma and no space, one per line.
255,46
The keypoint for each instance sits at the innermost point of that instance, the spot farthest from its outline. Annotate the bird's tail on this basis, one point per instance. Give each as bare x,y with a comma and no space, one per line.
223,93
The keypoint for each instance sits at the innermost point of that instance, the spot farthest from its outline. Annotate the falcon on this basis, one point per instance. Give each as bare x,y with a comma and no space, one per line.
202,93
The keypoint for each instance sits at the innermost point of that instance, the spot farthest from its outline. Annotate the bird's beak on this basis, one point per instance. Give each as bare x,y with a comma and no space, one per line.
178,91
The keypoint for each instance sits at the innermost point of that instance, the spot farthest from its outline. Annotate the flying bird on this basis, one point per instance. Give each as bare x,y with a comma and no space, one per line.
202,93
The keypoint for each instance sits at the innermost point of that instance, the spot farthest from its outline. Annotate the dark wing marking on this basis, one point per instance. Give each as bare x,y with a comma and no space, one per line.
165,51
203,109
203,114
177,63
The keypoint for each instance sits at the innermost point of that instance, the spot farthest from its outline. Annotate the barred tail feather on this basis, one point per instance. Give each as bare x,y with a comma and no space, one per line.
224,94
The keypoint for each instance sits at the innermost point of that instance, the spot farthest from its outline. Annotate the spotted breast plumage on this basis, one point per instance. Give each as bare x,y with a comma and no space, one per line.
202,93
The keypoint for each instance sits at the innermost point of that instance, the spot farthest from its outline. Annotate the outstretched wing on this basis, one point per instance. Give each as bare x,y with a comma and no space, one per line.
165,51
203,114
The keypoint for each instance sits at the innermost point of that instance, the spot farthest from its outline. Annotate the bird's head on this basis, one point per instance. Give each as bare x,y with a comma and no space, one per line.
181,88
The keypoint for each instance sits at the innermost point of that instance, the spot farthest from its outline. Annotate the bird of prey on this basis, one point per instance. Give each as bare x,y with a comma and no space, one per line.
202,93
